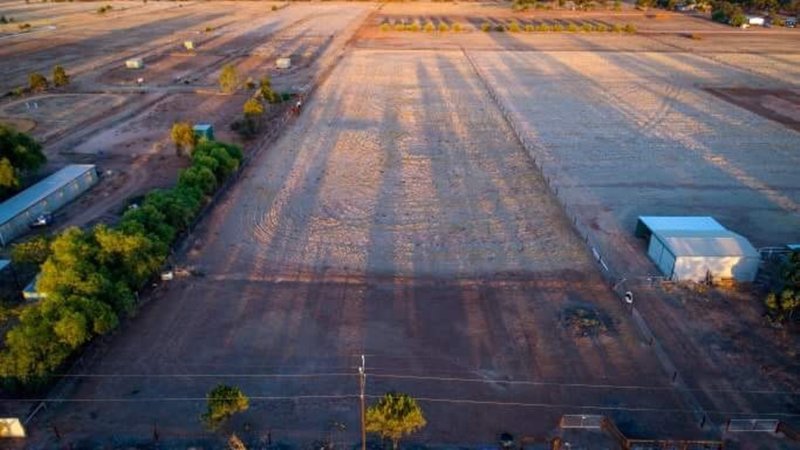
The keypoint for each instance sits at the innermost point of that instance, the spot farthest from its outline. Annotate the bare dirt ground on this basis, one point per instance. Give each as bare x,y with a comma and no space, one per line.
400,217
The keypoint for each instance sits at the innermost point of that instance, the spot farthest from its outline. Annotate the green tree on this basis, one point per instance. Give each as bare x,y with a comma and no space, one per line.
183,136
266,91
253,108
228,79
37,82
19,154
223,402
60,77
32,252
394,416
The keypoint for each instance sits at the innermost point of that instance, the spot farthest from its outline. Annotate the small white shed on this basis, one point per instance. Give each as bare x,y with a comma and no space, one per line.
756,21
135,63
696,248
283,63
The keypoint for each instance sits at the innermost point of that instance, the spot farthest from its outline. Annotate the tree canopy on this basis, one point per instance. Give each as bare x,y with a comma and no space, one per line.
223,402
394,416
228,79
19,154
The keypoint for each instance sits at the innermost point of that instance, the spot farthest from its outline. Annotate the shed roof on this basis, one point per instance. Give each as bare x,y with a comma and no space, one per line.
4,263
201,126
41,190
706,243
659,223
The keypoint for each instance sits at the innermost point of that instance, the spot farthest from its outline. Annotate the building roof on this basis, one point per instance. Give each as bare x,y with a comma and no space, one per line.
41,190
706,243
4,263
659,223
202,127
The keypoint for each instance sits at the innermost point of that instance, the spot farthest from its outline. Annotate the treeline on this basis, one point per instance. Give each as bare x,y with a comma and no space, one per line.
90,278
20,154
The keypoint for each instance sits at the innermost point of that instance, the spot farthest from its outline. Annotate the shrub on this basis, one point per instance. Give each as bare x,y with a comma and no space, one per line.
616,28
413,26
530,28
183,136
385,27
228,79
267,93
60,77
617,5
274,7
24,26
557,28
430,27
602,28
572,28
628,28
37,82
543,27
223,402
443,27
486,26
252,108
457,27
587,28
399,26
513,27
500,27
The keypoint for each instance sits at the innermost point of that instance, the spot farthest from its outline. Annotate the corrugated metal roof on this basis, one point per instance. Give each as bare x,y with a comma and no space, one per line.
4,263
41,190
700,243
659,223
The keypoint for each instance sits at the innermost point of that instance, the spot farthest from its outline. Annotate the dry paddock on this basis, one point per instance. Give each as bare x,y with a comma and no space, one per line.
397,218
400,218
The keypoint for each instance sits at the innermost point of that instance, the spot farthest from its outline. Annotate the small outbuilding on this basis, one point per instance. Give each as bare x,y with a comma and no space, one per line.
135,63
203,131
698,249
188,45
755,21
283,63
46,196
31,293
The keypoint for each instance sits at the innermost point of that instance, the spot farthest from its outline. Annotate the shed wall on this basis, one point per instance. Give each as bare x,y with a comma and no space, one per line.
20,223
739,268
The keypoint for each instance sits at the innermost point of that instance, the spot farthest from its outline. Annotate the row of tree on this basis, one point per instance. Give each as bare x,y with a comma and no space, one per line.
393,417
20,155
91,277
38,82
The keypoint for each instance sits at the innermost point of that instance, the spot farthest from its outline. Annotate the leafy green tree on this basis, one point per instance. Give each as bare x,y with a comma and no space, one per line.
784,302
394,416
198,177
183,136
37,82
19,154
60,77
32,252
228,79
267,93
253,108
222,403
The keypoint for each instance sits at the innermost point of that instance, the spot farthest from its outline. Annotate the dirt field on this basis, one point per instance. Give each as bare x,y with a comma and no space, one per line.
401,217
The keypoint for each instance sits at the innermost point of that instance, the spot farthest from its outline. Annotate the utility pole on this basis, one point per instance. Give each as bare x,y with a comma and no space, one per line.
362,381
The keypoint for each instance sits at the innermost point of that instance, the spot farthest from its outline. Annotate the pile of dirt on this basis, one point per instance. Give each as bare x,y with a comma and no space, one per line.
585,322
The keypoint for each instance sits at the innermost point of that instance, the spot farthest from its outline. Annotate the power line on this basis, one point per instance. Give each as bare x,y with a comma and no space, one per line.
447,379
421,399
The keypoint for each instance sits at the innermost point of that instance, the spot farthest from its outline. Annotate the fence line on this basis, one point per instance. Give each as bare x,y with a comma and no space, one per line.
618,283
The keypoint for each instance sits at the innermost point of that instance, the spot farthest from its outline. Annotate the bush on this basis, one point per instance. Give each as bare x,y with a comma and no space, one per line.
183,136
430,27
500,27
457,27
628,28
616,28
587,28
399,26
60,77
223,402
274,7
617,5
513,27
385,27
557,28
530,28
37,82
228,79
572,28
443,27
413,26
253,108
486,26
24,26
600,28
